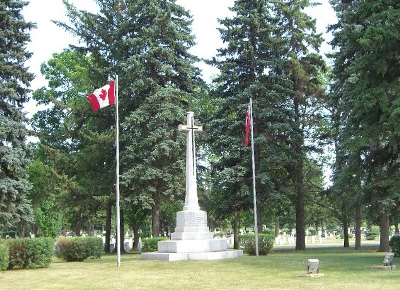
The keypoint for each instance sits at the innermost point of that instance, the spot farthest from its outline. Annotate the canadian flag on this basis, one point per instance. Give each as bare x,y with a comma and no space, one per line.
102,97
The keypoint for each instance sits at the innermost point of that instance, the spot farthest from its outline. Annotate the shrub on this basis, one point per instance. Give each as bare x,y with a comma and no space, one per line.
30,253
151,244
371,233
350,236
265,244
4,255
79,248
394,243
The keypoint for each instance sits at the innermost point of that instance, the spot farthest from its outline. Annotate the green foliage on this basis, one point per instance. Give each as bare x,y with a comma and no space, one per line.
46,196
69,135
150,244
248,243
4,255
30,253
394,243
79,248
366,89
371,233
341,236
14,83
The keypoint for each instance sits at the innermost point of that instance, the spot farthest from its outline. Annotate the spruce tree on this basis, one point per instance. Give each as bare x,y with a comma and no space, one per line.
268,58
248,63
367,41
14,88
303,66
146,43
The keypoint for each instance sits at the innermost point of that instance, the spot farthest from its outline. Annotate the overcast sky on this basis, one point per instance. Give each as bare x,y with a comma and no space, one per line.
48,38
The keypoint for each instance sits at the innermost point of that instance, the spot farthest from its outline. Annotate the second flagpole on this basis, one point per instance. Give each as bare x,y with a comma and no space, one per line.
254,178
118,239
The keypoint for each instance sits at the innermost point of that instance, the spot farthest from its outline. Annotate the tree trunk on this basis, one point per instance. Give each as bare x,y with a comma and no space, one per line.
136,236
300,228
396,229
276,227
78,225
345,221
121,238
122,230
358,229
155,210
108,227
236,225
384,232
259,219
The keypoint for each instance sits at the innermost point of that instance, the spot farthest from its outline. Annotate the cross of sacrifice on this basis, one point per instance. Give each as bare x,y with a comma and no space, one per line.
191,200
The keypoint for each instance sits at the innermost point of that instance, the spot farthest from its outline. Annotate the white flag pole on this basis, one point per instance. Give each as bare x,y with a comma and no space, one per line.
117,174
254,178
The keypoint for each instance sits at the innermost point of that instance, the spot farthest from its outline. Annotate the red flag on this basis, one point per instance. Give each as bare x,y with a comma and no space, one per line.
247,127
102,97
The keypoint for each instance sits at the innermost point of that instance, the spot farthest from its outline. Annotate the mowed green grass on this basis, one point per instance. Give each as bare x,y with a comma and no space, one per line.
343,268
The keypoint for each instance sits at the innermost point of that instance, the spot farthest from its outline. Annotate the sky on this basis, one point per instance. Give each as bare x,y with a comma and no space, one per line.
49,38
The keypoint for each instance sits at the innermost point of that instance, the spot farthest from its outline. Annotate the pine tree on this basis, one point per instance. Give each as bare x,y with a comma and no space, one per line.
14,83
366,72
267,58
248,64
304,68
146,43
73,141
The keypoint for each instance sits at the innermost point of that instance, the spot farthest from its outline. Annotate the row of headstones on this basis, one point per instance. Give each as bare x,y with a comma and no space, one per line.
290,239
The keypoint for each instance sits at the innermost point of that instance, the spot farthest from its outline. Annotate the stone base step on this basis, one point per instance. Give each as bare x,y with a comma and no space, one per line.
192,246
228,254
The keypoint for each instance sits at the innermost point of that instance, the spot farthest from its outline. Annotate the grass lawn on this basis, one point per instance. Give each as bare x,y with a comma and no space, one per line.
343,268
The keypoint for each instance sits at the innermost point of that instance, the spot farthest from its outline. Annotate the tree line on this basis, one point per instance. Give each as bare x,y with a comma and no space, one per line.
305,112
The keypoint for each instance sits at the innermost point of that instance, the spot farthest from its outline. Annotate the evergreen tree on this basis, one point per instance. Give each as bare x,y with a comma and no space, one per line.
304,67
15,208
367,42
73,142
253,51
267,58
146,43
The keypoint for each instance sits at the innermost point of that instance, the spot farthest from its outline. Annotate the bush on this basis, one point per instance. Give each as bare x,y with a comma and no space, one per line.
151,244
394,243
371,233
79,248
30,253
4,255
350,236
265,244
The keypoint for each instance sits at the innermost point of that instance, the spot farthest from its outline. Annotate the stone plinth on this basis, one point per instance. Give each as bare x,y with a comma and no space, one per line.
191,225
310,275
228,254
390,267
192,246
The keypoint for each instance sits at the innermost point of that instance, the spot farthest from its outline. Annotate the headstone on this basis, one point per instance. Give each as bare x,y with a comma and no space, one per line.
312,266
192,239
387,261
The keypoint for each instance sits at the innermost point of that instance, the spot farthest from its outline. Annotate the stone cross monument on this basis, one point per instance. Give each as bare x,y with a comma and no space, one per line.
191,200
192,239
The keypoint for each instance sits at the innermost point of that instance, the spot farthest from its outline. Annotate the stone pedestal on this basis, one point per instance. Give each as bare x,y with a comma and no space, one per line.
192,240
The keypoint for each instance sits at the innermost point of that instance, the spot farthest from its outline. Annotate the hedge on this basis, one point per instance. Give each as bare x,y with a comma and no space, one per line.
394,243
79,248
151,244
30,253
248,243
4,255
